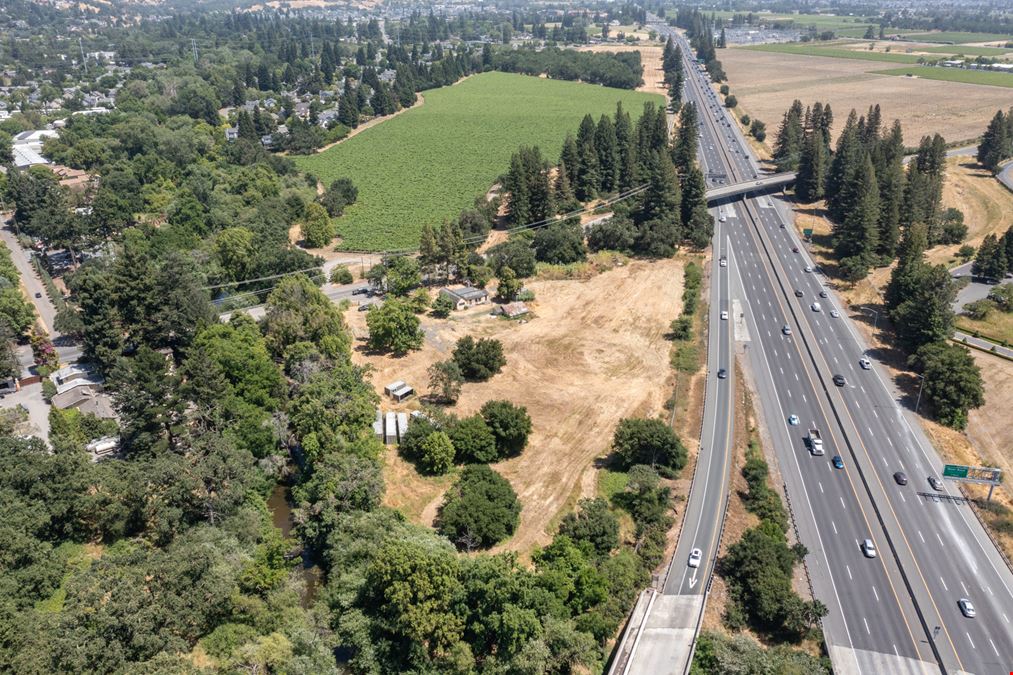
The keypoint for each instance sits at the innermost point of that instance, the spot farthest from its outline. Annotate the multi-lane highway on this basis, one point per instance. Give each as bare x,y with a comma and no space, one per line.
896,612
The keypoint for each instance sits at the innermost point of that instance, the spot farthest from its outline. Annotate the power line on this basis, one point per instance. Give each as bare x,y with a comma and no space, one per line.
475,239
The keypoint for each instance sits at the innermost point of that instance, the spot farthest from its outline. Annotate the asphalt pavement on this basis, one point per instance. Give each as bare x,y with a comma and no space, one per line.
896,612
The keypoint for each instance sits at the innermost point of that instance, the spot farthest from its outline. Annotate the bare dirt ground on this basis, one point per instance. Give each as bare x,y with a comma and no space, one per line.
650,57
766,83
592,353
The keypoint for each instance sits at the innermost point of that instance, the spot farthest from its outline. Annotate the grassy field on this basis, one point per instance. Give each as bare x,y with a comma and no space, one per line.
431,162
833,52
989,78
957,37
966,51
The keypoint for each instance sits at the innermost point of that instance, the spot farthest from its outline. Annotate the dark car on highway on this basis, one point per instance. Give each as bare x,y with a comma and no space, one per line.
839,380
722,374
798,293
900,477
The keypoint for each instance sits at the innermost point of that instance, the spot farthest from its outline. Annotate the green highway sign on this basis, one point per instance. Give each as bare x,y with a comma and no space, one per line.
807,232
955,471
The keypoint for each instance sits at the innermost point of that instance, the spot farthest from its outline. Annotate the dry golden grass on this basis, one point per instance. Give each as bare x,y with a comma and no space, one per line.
766,83
592,353
987,205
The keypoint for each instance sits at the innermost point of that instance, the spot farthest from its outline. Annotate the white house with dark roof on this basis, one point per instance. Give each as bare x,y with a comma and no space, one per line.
465,296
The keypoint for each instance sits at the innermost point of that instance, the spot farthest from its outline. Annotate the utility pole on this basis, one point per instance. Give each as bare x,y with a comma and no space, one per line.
193,47
920,386
84,61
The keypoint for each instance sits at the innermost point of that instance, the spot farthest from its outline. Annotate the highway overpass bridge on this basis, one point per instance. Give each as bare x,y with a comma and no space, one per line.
772,182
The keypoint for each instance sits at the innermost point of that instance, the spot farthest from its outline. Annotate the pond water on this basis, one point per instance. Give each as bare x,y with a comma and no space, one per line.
280,507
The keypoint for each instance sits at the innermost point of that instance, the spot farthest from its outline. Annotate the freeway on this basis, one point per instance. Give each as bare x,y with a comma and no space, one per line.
898,612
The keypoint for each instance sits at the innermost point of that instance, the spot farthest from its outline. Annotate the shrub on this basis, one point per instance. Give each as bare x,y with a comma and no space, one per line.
731,101
445,380
317,228
979,309
615,234
394,327
510,425
723,89
593,523
650,442
509,285
480,510
437,453
515,253
442,307
560,243
682,328
479,360
341,275
745,120
473,440
340,194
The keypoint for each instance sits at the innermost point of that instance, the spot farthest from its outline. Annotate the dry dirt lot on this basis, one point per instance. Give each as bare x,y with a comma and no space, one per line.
766,83
593,352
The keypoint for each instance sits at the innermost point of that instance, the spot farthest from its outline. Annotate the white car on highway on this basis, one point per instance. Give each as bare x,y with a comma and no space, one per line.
835,314
816,307
868,548
865,363
724,315
793,420
694,557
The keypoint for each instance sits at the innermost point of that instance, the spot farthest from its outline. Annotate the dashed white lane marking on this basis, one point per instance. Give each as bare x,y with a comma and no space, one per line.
993,647
833,525
944,584
821,488
848,567
920,536
842,503
875,593
964,587
940,539
970,640
870,632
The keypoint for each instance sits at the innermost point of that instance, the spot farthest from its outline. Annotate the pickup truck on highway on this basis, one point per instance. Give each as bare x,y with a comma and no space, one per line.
815,442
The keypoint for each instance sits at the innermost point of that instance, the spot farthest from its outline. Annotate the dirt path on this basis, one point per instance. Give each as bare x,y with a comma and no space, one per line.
593,353
420,101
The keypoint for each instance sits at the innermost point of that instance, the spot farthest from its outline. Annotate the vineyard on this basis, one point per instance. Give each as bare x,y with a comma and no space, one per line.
428,164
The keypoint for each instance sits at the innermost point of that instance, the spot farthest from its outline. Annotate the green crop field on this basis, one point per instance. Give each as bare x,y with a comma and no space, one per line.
966,51
831,52
991,78
429,163
957,37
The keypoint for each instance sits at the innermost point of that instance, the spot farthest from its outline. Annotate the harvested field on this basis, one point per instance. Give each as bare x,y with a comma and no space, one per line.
766,83
593,352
